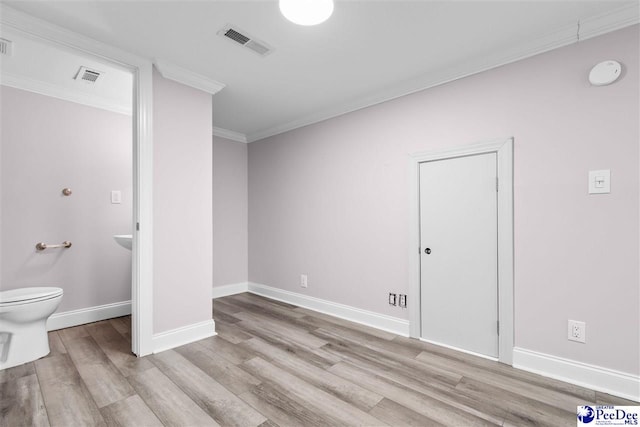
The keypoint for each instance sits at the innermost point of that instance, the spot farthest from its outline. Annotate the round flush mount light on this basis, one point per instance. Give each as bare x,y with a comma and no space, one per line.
306,12
605,73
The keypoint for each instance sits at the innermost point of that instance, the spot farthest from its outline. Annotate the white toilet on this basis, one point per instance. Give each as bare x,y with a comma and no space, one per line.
23,324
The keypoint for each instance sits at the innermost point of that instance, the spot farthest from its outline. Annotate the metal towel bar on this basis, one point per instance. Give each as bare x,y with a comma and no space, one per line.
42,246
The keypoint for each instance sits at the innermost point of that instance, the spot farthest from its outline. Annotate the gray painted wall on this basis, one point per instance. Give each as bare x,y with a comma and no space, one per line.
230,204
331,200
182,205
48,144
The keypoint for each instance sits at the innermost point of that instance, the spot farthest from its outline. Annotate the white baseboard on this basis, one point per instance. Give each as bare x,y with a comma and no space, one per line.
184,335
590,376
226,290
68,319
365,317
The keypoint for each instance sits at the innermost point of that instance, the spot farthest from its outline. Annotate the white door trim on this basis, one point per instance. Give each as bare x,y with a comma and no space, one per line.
142,254
504,150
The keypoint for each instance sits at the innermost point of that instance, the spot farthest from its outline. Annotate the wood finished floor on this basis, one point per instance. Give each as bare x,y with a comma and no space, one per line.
277,364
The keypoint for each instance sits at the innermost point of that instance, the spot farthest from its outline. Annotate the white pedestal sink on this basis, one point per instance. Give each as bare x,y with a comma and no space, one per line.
124,240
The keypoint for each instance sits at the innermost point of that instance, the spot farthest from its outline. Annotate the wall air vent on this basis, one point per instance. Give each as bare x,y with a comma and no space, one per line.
241,37
6,47
87,75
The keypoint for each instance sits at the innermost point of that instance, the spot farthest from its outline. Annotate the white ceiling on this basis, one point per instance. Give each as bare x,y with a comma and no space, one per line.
50,70
367,52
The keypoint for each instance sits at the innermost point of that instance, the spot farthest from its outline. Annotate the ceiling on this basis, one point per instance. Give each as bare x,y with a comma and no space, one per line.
51,70
367,52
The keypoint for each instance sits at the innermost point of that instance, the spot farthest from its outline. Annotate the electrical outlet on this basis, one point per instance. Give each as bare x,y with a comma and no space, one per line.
392,299
577,331
303,280
403,301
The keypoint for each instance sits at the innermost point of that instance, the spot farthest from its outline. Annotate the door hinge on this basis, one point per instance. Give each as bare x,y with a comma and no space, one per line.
498,327
496,183
137,226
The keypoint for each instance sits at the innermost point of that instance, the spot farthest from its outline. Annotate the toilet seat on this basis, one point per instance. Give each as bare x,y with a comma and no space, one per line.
28,295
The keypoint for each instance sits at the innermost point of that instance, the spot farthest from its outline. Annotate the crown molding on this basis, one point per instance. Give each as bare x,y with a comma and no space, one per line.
30,25
584,29
64,93
610,21
229,134
182,75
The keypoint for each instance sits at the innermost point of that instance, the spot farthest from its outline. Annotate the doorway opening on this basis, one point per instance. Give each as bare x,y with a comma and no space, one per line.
141,75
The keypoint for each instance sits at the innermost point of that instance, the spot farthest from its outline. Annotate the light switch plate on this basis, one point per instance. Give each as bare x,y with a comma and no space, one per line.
600,181
116,197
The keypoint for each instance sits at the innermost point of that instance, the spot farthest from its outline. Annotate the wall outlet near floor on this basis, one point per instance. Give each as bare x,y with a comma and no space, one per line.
402,301
577,331
303,280
393,300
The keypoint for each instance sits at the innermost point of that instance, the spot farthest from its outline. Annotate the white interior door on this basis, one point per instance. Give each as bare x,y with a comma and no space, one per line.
459,253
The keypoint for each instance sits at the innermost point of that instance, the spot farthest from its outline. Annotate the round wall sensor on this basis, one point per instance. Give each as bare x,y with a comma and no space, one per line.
605,73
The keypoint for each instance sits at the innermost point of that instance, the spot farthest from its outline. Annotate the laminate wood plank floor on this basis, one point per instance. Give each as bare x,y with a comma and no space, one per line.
275,364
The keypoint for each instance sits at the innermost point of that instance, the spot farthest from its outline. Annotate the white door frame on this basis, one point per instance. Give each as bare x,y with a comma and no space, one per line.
504,150
142,251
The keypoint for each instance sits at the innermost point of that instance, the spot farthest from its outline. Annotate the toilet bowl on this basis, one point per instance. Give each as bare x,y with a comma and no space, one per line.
23,324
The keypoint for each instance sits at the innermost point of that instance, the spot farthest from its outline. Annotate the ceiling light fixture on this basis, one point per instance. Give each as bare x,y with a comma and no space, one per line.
306,12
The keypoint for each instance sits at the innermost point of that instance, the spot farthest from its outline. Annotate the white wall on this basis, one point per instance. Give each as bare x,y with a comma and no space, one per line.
230,204
331,200
48,144
182,205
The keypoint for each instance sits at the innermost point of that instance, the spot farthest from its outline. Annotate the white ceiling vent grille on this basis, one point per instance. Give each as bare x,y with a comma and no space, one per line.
241,37
6,47
88,76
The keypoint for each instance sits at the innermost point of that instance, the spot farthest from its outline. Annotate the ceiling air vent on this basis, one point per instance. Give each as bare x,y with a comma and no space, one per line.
236,36
6,46
87,75
241,37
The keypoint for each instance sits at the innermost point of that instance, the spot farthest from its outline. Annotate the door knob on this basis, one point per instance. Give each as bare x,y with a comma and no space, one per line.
427,251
